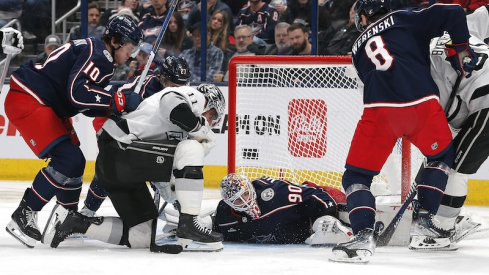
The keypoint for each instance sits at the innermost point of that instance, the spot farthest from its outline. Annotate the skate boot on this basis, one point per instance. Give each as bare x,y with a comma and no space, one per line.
23,225
425,236
360,248
328,231
194,236
464,226
74,223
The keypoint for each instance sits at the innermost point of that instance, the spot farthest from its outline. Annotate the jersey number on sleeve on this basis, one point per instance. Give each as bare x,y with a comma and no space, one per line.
378,54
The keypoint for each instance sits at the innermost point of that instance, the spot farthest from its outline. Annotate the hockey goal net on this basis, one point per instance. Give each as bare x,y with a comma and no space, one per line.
295,118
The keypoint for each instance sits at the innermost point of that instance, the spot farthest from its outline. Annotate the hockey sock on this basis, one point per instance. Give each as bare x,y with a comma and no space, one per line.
96,195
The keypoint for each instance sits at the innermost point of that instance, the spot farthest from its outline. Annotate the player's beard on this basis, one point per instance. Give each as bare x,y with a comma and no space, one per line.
301,47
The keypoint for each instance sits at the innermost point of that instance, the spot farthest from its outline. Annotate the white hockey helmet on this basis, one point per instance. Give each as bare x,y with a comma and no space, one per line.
215,100
238,192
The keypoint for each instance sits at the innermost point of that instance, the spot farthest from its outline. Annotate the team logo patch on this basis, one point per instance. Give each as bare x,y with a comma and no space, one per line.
109,57
267,194
434,146
160,159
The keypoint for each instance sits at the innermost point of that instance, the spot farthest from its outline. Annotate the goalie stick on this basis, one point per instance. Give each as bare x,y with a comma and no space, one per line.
156,46
166,248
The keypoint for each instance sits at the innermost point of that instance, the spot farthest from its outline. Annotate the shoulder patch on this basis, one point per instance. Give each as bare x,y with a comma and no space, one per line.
109,57
267,194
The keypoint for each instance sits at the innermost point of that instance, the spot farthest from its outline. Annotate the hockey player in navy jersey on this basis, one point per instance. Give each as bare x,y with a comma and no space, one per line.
273,211
169,134
172,72
12,41
40,103
392,60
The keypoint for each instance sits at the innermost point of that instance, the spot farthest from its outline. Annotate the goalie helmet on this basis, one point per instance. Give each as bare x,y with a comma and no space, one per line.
369,8
238,192
175,69
215,100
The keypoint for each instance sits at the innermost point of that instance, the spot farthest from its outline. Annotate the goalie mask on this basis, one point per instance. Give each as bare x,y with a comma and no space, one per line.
215,100
238,192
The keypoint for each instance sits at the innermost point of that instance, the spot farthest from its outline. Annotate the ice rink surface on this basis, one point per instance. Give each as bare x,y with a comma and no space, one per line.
84,256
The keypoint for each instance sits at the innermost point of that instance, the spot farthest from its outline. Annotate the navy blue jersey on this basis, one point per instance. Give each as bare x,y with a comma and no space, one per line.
151,26
287,213
262,22
72,79
392,56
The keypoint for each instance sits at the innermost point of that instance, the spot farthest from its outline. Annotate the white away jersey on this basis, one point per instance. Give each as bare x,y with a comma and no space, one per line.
151,120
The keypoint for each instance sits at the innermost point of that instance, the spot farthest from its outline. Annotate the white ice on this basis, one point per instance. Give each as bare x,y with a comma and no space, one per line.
82,256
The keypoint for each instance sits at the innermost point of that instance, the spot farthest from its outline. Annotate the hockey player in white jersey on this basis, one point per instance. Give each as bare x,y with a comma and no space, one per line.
468,115
168,134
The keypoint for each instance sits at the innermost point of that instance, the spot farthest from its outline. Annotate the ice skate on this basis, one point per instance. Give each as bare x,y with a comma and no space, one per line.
425,236
74,223
23,225
194,236
359,249
328,231
56,218
464,226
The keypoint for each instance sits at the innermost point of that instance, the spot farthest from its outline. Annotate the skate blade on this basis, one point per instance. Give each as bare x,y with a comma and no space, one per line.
14,230
418,243
194,246
57,217
340,256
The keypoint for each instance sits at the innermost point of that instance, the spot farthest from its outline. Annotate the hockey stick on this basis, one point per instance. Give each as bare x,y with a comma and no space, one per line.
166,248
452,95
386,235
155,46
5,69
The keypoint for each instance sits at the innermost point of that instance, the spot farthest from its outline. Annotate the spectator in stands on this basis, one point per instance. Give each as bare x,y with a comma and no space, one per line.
338,41
301,10
214,56
9,10
185,6
36,20
94,28
262,19
212,6
153,21
282,41
128,7
299,39
219,27
51,43
244,38
137,66
175,39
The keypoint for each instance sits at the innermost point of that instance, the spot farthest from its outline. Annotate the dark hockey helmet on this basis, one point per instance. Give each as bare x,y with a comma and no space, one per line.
126,28
176,70
369,8
238,192
215,100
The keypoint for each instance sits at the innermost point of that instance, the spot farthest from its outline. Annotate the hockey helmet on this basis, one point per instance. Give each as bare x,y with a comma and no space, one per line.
215,100
126,28
238,192
369,8
176,70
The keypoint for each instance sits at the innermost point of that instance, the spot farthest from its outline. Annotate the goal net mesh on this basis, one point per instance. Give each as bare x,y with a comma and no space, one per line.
296,121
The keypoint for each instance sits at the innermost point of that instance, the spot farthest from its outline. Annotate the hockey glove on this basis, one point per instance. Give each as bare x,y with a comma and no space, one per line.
12,41
167,191
462,58
124,102
204,134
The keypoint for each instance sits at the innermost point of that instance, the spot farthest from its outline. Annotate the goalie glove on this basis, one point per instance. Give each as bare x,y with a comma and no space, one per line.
462,58
167,191
204,134
12,41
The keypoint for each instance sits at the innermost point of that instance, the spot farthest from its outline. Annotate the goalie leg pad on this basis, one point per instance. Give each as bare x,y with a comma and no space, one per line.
57,217
427,244
328,231
193,246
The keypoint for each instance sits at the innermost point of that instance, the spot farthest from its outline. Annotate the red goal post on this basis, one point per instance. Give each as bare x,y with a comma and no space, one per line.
294,118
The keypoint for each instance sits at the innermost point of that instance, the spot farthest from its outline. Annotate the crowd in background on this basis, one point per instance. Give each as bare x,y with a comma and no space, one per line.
235,27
